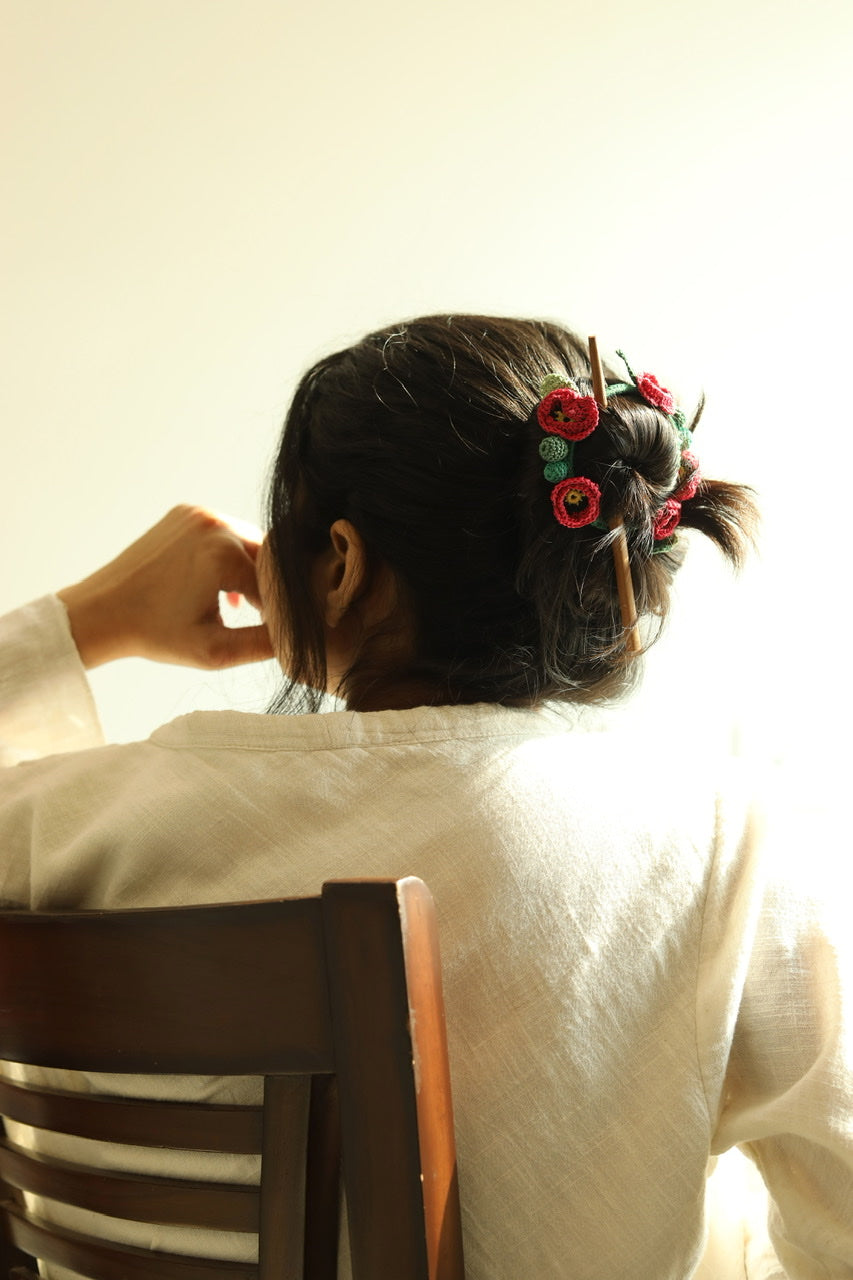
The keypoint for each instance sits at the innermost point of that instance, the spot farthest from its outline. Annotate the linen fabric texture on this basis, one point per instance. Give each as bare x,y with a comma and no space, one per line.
632,985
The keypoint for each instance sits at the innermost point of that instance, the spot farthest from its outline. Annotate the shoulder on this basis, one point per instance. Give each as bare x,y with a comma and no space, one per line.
428,727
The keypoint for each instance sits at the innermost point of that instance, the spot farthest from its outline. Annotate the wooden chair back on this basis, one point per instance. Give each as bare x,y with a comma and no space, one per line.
344,988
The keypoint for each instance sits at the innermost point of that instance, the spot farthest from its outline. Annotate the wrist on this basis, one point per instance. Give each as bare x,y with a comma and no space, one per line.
95,624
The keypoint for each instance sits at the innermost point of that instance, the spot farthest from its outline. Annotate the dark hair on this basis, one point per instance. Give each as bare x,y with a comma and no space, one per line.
424,436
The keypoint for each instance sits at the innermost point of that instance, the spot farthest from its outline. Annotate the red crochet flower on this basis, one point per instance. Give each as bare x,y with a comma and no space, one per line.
576,501
650,389
688,477
666,520
567,413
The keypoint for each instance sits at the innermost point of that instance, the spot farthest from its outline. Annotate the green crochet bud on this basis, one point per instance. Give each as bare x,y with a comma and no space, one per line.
555,471
553,381
553,449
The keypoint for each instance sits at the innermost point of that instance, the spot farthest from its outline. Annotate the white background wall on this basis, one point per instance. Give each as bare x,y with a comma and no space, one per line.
202,196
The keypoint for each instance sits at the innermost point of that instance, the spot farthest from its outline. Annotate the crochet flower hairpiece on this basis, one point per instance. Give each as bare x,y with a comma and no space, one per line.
567,416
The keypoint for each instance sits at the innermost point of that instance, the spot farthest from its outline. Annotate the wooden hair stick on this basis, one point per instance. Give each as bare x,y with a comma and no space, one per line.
624,583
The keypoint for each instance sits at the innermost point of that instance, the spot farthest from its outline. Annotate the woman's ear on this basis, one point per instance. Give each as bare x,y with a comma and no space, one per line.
343,572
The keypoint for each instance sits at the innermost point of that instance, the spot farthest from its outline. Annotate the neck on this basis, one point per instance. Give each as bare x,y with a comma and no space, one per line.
365,694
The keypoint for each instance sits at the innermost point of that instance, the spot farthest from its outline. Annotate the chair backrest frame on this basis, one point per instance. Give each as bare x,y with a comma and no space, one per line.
344,988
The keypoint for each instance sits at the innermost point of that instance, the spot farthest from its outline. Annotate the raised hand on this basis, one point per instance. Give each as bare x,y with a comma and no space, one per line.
159,599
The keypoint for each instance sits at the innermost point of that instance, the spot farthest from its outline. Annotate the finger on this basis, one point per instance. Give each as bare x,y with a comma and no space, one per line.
253,547
248,534
233,646
239,577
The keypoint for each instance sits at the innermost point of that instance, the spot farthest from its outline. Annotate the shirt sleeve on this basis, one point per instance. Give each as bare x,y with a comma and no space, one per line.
787,1091
46,705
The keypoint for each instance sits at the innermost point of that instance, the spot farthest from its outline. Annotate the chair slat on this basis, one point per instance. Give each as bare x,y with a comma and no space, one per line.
222,1206
99,1261
323,1181
196,1126
282,1196
207,1009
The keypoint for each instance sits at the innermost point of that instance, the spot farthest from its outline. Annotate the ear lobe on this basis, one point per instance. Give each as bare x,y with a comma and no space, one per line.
345,571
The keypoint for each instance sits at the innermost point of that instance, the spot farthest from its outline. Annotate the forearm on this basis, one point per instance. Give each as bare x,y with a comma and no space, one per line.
46,705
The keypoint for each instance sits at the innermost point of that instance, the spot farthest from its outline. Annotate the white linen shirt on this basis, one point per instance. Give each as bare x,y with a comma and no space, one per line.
627,992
